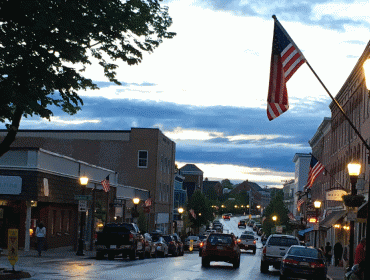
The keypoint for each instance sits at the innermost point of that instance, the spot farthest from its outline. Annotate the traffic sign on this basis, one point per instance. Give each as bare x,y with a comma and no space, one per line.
82,205
83,197
13,246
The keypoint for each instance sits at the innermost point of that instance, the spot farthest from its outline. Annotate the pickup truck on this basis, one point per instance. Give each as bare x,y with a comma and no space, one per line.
120,239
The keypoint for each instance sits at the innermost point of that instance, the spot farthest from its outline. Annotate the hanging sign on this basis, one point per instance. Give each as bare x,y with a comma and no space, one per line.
13,246
335,195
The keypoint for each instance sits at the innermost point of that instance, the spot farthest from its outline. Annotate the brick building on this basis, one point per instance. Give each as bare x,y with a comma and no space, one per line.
143,158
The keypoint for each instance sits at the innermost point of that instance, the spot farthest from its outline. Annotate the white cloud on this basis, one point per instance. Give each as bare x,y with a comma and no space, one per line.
242,173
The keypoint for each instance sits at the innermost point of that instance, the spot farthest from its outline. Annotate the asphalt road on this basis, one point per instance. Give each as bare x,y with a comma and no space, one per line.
177,268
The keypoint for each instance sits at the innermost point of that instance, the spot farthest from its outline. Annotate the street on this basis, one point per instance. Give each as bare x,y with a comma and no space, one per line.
185,267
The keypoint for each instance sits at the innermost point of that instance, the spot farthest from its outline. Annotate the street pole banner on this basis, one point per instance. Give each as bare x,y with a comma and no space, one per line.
13,246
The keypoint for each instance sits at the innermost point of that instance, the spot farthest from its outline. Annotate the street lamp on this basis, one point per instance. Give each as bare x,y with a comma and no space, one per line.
366,67
136,201
353,171
80,249
317,205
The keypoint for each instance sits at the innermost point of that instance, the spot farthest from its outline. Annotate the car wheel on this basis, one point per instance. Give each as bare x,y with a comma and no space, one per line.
254,251
132,255
236,263
99,255
264,267
205,262
142,255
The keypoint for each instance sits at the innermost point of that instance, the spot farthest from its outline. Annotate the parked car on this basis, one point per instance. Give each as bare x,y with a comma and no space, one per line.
251,223
196,242
242,224
122,239
259,231
221,247
180,244
201,245
303,262
275,248
257,226
161,247
149,245
172,245
247,242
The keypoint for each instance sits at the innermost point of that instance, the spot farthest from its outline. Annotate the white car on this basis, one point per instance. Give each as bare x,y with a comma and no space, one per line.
274,250
196,242
161,247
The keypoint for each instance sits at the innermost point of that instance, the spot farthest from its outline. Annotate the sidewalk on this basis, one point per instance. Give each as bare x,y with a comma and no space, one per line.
27,257
336,272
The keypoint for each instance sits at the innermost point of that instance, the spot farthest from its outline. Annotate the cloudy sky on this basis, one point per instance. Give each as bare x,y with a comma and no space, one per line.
206,89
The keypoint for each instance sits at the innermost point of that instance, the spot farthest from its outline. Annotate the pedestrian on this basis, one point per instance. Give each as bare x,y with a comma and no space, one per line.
360,253
338,252
328,253
40,234
345,256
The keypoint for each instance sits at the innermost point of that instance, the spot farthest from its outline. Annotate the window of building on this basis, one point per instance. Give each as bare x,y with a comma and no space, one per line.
142,159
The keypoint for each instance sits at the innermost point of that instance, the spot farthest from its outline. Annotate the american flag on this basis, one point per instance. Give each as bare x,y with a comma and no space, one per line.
105,183
299,203
192,213
315,169
286,58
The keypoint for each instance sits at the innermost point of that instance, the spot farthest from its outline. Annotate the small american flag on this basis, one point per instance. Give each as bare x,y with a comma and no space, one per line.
299,203
315,169
192,213
105,183
286,58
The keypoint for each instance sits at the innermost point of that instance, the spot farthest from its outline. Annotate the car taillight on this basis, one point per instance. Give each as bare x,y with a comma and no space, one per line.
316,265
131,237
254,241
290,261
239,241
171,242
159,244
201,244
264,251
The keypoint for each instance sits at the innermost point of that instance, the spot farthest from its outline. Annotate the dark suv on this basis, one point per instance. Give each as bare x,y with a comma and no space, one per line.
172,245
221,247
242,223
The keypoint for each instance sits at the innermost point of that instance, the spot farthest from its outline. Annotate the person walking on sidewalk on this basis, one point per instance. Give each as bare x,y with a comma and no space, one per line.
328,253
40,234
360,253
338,252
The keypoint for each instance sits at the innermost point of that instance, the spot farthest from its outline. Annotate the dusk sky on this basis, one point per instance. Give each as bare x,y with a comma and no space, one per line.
206,88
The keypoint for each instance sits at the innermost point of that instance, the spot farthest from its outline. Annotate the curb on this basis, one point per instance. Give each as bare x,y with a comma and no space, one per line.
10,274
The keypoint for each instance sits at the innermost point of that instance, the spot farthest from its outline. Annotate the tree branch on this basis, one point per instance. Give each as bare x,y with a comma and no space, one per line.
12,132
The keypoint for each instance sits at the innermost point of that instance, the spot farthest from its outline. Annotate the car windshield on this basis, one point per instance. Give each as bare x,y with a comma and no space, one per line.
220,239
282,241
156,238
305,252
167,238
246,236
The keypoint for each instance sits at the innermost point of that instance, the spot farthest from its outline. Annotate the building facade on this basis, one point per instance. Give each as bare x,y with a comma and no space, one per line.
143,158
193,179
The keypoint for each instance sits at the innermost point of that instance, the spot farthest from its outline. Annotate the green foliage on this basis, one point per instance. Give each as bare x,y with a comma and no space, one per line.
226,184
46,46
278,208
200,204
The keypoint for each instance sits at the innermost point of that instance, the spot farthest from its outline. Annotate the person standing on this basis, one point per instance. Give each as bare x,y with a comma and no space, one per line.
360,252
345,256
40,234
328,253
338,252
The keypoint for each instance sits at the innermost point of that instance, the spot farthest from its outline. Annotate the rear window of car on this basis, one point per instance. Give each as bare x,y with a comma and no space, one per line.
111,228
193,238
246,236
305,252
282,241
156,238
220,239
167,238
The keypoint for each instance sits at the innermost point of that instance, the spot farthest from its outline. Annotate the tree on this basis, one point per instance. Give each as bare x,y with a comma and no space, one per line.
202,209
226,184
47,44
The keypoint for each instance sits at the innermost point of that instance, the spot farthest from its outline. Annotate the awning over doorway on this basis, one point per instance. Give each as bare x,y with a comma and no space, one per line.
332,218
302,232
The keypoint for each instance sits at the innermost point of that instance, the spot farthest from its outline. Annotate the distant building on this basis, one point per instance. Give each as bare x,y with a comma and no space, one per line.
179,197
193,179
289,192
302,166
212,189
142,157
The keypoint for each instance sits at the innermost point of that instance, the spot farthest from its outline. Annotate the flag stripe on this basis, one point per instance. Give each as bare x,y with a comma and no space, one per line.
286,58
316,168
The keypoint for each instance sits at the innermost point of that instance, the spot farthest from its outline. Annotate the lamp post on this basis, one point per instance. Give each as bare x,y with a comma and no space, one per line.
259,209
136,201
274,218
180,210
317,205
80,249
353,171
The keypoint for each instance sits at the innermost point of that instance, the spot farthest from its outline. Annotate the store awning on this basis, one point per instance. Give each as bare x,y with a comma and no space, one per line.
302,232
332,218
362,213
